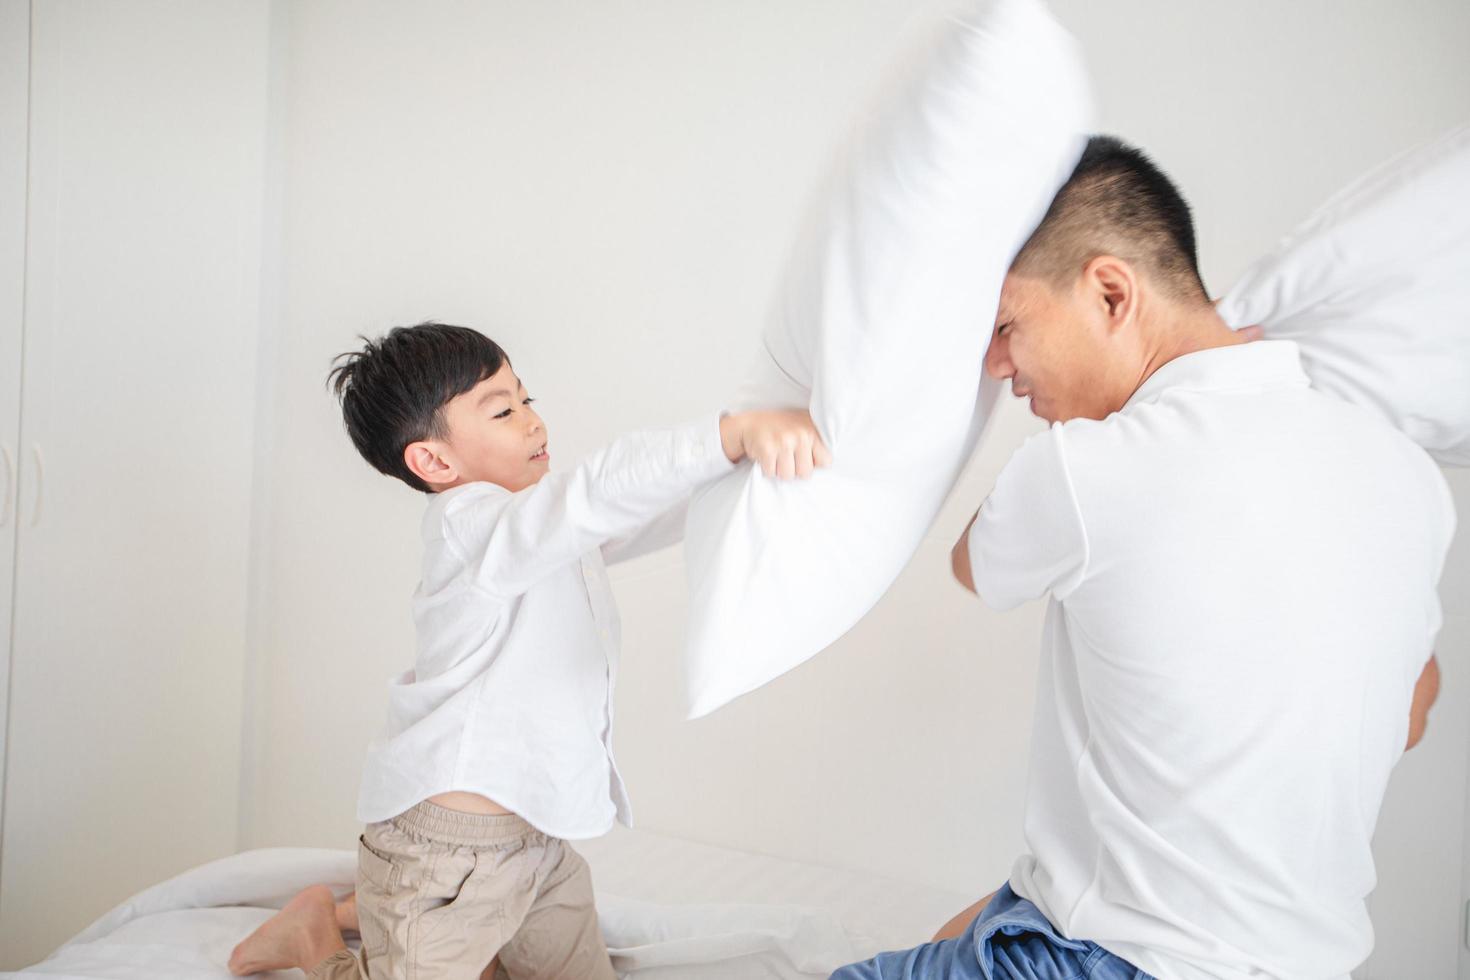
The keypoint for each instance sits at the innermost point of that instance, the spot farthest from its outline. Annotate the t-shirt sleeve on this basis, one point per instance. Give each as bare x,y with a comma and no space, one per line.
1029,537
509,541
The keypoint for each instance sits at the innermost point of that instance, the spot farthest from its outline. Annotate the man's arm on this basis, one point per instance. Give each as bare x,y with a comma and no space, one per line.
1027,538
1426,692
959,558
957,926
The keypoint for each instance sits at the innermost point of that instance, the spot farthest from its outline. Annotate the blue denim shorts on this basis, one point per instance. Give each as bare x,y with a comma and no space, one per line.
1010,940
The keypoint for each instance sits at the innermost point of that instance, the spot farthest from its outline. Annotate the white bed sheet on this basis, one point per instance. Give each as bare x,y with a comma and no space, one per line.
670,909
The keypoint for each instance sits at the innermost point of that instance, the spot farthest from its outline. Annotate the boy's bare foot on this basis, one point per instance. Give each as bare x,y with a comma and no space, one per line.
301,935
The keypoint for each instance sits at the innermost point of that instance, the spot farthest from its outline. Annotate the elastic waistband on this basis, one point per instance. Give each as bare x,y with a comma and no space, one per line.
471,829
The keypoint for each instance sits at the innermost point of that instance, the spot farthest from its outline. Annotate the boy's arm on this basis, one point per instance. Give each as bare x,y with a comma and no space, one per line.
509,541
664,531
772,456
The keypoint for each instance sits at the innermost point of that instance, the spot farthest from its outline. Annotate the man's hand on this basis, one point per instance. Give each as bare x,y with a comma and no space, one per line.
1426,692
1246,334
783,443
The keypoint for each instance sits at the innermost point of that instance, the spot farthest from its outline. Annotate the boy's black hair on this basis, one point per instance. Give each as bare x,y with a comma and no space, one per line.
394,390
1117,202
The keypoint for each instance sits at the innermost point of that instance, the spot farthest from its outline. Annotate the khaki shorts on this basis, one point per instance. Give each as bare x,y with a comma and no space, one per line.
440,894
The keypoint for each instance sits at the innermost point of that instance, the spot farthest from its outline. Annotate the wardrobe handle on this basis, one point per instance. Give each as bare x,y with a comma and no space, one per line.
9,496
40,473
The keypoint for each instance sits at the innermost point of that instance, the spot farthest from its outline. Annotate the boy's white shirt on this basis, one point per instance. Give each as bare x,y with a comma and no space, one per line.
511,693
1242,579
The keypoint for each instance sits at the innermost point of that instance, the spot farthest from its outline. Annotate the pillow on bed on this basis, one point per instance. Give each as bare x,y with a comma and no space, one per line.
1375,290
880,327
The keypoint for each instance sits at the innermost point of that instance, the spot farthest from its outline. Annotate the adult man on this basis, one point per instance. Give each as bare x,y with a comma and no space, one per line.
1242,576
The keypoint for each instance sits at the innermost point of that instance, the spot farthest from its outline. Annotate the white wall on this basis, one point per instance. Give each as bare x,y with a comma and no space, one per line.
608,190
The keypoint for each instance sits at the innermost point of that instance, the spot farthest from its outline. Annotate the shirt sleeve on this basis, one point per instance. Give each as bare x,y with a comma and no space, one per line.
510,541
664,531
1029,537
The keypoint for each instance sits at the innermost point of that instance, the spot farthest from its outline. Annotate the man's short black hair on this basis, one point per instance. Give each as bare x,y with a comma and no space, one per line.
1117,202
394,390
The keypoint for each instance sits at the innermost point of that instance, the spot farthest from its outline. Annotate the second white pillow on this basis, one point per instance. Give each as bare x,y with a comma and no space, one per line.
1375,290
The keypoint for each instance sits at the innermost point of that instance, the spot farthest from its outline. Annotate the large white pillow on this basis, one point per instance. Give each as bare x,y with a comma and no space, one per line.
1375,290
880,327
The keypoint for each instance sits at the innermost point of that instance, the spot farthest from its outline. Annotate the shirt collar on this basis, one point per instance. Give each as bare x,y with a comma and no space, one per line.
1258,364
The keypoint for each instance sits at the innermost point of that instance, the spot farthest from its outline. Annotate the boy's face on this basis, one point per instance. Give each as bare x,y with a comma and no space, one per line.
494,436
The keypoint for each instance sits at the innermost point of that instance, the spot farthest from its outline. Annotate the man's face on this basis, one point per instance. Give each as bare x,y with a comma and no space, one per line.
1056,348
494,434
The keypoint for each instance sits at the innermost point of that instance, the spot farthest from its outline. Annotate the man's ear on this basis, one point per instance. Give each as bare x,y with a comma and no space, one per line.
1115,286
426,460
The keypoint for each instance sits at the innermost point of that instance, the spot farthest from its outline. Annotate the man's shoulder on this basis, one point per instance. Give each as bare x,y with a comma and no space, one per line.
1113,444
1180,418
1085,448
1132,454
1039,456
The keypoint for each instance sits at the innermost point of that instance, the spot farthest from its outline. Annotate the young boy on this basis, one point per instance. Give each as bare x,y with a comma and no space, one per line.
498,744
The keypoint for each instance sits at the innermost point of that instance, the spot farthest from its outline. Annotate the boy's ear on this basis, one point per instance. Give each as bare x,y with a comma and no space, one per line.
425,459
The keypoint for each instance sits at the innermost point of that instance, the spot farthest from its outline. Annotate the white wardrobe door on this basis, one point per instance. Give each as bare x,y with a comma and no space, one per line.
147,128
14,72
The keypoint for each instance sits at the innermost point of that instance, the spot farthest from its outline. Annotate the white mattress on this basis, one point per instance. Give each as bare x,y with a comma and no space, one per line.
670,908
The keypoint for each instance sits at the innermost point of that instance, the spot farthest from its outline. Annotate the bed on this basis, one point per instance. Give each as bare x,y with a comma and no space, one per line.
670,909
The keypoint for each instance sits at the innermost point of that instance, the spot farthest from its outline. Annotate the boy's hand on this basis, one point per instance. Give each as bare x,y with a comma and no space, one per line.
783,443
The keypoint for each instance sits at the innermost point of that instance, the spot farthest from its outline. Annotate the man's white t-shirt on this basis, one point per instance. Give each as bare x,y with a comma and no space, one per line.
1243,579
